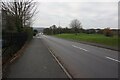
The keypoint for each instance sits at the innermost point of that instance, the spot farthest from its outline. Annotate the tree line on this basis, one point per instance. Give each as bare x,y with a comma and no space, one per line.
76,27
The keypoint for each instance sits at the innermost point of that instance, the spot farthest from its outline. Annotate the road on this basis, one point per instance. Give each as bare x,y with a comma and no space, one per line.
36,62
82,60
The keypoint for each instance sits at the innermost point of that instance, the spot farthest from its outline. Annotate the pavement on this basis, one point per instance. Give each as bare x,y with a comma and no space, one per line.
82,60
36,62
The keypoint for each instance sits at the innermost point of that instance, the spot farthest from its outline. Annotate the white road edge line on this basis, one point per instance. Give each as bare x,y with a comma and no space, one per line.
79,48
112,59
60,64
67,73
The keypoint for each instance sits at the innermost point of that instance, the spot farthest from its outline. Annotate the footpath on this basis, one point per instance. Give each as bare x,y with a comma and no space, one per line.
36,62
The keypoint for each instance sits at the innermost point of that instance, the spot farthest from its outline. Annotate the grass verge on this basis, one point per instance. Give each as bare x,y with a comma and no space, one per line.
94,38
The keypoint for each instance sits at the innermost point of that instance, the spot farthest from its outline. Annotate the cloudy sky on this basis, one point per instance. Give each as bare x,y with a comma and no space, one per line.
90,14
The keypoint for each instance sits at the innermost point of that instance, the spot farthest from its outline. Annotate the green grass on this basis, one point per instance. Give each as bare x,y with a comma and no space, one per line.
94,38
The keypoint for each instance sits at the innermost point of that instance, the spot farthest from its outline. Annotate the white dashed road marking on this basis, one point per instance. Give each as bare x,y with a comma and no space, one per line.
79,48
112,59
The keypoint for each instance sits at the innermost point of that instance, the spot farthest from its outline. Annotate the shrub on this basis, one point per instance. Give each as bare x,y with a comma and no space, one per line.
11,43
108,32
29,31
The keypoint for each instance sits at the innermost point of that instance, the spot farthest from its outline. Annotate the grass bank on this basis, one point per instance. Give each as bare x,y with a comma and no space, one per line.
94,38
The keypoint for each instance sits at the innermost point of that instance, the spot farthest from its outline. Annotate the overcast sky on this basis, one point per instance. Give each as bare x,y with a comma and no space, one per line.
90,14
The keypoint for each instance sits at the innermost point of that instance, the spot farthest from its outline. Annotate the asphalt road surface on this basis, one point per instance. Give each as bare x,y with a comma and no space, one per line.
84,61
36,62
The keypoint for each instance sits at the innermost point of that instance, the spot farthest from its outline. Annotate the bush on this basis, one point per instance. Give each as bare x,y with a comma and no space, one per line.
11,43
107,32
29,31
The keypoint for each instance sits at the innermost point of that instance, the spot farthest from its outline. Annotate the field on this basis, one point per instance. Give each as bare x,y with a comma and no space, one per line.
94,38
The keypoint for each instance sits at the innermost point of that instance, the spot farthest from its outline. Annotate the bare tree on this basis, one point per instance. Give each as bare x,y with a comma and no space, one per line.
75,25
21,10
53,29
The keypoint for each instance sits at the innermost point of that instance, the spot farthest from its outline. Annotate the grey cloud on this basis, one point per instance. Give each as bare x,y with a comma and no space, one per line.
91,14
